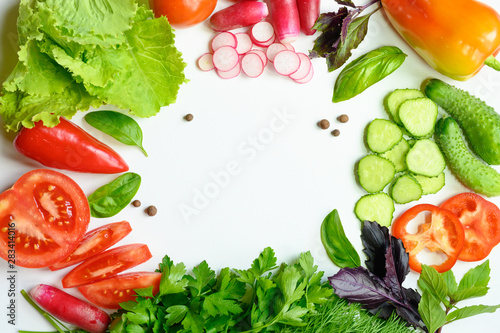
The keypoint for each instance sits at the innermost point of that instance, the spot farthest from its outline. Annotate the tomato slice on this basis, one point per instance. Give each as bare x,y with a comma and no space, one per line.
43,217
481,221
441,232
110,292
107,264
94,242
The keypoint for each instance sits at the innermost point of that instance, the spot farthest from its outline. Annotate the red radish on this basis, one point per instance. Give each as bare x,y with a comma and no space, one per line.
304,68
266,44
285,18
252,64
223,39
289,47
308,77
244,43
261,54
308,13
70,309
231,73
205,62
286,62
273,49
262,32
241,14
225,58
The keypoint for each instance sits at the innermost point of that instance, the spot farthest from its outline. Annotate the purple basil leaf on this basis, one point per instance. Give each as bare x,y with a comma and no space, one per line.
410,311
346,3
345,24
401,259
391,277
376,241
330,26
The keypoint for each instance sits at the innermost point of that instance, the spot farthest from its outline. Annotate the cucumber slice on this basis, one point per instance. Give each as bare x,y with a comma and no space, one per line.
394,99
377,207
430,185
405,189
397,155
382,135
419,116
425,158
375,173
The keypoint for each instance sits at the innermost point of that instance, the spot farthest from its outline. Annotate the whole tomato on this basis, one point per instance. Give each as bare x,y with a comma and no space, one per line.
184,13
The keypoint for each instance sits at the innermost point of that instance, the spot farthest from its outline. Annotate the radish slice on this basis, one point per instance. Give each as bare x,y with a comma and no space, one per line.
225,58
224,39
244,43
289,47
261,54
205,62
273,49
304,68
286,62
308,77
252,64
231,73
262,32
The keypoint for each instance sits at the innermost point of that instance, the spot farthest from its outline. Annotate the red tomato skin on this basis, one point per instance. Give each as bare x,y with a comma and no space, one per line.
184,13
25,218
428,235
481,221
107,264
95,242
102,293
67,146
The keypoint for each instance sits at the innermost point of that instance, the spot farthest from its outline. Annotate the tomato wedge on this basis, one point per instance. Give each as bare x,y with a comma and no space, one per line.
441,232
94,242
43,217
107,264
110,292
481,221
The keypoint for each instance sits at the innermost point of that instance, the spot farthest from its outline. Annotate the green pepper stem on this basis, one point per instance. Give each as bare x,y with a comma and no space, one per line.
492,62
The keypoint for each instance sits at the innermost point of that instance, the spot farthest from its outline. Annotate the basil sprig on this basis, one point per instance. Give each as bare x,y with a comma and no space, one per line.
108,200
118,125
367,70
336,243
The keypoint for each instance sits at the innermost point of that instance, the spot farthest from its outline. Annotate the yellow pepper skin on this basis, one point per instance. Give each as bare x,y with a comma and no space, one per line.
454,36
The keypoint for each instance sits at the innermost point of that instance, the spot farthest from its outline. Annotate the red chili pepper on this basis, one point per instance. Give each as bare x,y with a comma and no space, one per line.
440,232
67,146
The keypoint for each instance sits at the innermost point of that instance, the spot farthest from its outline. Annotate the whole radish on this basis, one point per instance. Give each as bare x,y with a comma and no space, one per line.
70,309
308,13
285,18
241,14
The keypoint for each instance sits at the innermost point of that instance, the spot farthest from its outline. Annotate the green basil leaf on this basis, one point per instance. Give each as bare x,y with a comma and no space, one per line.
451,282
474,283
366,71
433,315
110,199
470,311
433,282
118,125
336,243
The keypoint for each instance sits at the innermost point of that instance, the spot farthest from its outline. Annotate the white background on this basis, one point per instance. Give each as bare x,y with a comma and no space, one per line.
290,174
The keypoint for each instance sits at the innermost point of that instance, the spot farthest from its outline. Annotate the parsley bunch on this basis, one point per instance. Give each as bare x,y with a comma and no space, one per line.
263,298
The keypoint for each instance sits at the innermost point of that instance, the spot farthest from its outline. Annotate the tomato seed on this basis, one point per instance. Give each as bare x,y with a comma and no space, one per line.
120,294
5,229
51,187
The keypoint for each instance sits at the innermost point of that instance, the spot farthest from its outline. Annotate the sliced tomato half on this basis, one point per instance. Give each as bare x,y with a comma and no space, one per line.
481,221
110,292
94,242
43,217
107,264
440,232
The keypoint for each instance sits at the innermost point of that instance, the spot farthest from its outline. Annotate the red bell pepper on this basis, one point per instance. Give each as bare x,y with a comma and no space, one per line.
67,146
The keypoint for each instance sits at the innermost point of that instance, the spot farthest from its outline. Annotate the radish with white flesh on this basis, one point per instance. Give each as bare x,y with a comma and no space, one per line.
286,62
225,58
205,62
262,33
308,77
241,14
285,18
309,11
273,49
224,39
70,309
289,47
252,65
244,43
304,68
231,73
261,54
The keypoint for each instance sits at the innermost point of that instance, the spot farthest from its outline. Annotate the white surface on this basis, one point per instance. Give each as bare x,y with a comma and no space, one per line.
269,175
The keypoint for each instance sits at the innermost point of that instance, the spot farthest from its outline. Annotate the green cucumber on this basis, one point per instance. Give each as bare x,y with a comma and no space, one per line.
405,189
471,171
479,122
430,185
425,158
418,116
375,173
395,98
377,207
382,135
397,155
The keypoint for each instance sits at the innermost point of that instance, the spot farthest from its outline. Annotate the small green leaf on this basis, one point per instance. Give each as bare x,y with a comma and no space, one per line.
433,282
172,279
265,262
175,314
431,312
367,70
203,275
474,283
118,125
110,199
337,245
451,282
470,311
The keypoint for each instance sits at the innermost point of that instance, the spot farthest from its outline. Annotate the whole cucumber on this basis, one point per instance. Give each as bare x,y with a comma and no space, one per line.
471,171
480,122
